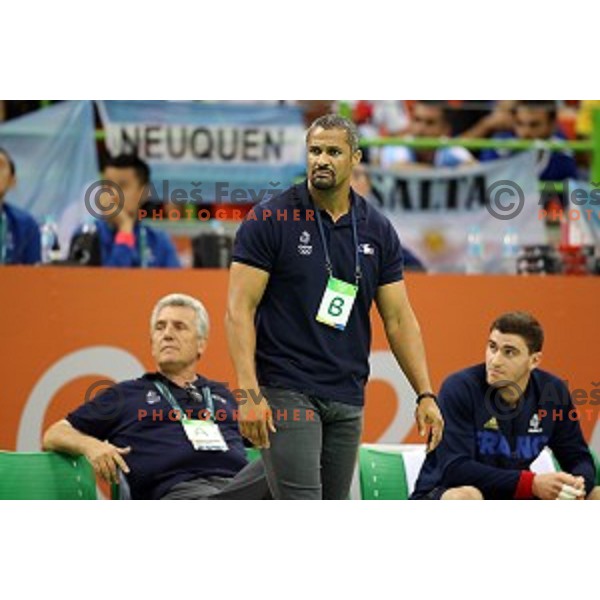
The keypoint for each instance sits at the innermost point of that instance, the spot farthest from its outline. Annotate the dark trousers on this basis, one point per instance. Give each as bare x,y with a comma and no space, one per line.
313,453
249,484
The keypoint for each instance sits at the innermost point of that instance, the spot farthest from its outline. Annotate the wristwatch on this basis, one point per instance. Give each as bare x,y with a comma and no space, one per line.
425,395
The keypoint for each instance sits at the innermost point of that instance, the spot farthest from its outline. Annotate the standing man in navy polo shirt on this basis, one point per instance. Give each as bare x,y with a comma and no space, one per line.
135,425
19,233
306,267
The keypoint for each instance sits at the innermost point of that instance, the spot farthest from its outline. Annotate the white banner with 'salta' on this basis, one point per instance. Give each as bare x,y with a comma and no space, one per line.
434,210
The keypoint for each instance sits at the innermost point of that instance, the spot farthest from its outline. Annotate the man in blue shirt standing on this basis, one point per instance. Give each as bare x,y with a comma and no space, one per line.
19,232
499,417
124,240
307,266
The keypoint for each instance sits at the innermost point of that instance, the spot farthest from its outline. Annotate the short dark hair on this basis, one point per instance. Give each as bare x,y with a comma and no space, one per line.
11,163
130,161
523,324
548,105
447,111
334,121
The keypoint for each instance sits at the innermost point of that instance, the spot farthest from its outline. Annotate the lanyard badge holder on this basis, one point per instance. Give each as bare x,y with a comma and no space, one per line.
202,434
3,237
143,247
339,295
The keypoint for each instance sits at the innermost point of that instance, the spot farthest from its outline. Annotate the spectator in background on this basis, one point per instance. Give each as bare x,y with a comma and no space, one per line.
313,109
501,118
19,233
464,114
125,241
536,120
430,119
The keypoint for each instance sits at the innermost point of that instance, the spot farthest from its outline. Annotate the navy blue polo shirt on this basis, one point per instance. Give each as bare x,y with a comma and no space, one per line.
489,452
134,413
293,350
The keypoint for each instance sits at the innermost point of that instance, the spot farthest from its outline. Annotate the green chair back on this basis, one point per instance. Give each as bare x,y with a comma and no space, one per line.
252,454
382,475
45,476
596,464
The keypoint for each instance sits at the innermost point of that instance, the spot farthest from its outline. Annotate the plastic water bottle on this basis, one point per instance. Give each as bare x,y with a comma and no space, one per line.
50,246
89,226
474,251
510,251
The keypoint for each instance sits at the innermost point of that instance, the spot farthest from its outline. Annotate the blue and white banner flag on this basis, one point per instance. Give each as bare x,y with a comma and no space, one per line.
209,152
434,210
54,152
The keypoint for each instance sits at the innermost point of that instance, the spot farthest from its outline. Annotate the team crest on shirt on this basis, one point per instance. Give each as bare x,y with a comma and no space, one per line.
304,247
534,424
366,249
152,397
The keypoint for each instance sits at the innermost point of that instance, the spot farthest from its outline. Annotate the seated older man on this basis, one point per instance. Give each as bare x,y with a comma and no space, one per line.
173,433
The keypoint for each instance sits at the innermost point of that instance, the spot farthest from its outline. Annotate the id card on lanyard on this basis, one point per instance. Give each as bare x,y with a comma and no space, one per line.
339,295
143,247
203,435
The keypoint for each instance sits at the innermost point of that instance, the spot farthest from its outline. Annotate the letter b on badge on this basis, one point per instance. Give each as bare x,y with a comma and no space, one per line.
336,304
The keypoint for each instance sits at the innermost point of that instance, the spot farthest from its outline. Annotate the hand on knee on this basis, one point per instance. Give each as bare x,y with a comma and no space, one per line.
466,492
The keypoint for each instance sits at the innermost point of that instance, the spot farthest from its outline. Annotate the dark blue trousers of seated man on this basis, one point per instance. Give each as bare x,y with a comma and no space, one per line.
137,427
499,417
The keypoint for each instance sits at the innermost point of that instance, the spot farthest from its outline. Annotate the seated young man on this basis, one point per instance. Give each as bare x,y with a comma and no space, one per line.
499,416
136,425
124,240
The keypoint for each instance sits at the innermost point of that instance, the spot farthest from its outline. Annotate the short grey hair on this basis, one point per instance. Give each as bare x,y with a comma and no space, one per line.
334,121
202,322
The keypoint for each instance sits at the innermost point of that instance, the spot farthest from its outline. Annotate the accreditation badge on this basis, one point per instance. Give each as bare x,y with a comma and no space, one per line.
204,435
337,302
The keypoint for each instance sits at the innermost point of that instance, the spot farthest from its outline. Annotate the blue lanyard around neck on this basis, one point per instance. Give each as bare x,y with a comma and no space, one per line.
3,236
206,395
328,263
143,247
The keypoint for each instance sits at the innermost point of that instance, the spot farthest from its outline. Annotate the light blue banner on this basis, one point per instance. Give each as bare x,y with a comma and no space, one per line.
209,152
54,152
